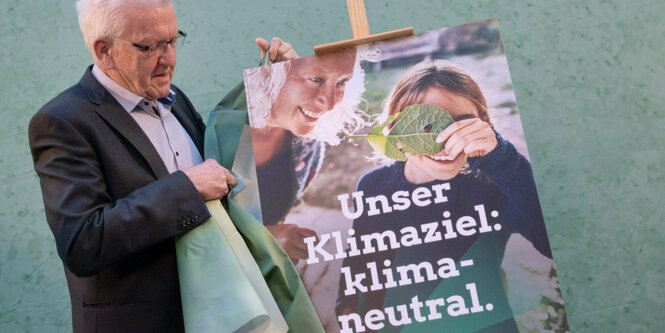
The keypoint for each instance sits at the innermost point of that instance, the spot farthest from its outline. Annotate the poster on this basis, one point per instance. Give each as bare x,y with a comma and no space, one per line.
397,178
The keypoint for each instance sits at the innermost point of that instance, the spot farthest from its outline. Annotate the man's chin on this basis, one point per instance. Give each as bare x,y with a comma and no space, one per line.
160,92
161,83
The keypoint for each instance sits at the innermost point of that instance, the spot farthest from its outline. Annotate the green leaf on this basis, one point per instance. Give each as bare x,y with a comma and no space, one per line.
413,131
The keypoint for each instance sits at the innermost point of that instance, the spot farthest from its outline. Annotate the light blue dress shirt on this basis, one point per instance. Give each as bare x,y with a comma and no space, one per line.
165,132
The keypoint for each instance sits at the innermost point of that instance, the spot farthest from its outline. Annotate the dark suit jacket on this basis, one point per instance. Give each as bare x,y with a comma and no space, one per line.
114,209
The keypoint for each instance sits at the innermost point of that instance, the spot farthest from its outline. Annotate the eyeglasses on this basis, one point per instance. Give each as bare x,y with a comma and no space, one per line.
158,49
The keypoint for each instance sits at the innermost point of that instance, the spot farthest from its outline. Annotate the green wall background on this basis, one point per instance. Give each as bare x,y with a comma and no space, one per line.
589,78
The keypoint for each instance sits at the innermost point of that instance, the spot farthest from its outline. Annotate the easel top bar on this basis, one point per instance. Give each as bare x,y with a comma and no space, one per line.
336,46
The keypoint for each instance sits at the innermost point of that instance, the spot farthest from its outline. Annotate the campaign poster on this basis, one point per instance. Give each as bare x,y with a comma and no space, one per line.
397,178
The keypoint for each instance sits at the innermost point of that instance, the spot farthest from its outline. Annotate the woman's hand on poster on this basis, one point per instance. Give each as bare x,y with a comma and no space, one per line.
279,49
290,237
472,137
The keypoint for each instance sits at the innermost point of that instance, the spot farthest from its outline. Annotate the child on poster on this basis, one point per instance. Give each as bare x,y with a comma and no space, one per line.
480,168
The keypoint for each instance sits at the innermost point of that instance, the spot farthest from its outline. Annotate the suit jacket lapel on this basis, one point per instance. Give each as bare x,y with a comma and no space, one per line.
109,109
185,119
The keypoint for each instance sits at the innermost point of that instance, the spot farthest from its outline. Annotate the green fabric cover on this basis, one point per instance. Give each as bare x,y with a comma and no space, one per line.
222,288
215,296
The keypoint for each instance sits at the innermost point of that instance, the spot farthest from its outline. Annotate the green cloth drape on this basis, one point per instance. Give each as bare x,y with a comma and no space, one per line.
220,291
222,288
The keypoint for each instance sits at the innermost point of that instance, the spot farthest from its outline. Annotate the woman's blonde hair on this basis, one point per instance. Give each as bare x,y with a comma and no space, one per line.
442,74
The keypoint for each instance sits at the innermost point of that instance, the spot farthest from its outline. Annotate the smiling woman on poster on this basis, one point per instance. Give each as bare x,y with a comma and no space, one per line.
477,166
296,107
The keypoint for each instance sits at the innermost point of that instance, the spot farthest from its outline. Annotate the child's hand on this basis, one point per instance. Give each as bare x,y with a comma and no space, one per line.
472,136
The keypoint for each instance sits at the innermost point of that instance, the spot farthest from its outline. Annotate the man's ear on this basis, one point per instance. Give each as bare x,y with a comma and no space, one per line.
103,53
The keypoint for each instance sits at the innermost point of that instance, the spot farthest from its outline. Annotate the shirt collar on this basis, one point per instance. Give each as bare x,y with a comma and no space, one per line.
127,99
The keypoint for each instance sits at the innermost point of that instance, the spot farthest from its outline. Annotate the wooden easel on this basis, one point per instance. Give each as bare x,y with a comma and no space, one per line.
360,29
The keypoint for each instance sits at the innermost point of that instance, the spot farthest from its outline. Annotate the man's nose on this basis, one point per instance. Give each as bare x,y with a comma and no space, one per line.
169,56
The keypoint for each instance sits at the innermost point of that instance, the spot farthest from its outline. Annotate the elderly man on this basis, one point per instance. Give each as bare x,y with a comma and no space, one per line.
119,160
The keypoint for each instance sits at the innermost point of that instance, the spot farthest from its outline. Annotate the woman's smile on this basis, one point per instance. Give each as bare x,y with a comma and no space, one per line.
310,115
313,87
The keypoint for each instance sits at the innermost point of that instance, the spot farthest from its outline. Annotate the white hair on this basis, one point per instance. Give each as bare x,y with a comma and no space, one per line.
264,84
103,18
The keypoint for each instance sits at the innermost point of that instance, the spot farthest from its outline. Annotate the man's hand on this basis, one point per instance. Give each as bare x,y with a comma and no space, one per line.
290,237
279,49
211,179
